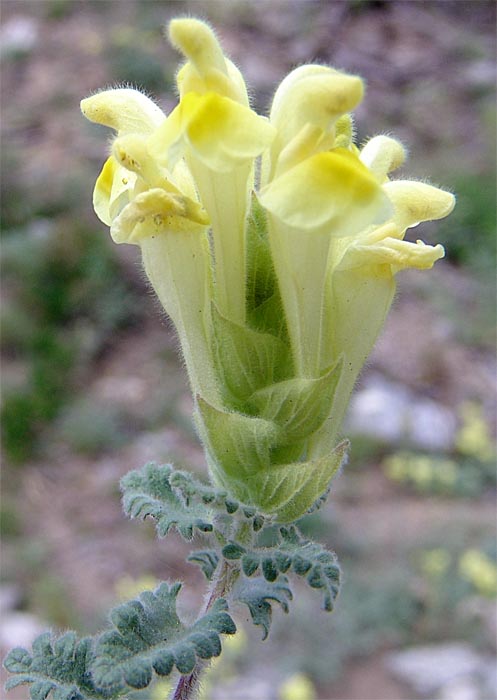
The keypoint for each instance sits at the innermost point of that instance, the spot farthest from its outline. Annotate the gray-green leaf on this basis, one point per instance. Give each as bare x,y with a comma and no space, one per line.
149,636
148,492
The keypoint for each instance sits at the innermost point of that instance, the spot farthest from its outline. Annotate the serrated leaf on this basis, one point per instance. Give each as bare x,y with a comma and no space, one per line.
192,488
149,637
292,553
207,559
233,550
258,523
311,559
56,668
300,405
148,492
41,690
269,569
258,595
246,359
197,496
250,564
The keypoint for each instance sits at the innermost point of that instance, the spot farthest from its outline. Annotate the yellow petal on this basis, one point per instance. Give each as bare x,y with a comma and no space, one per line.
414,202
132,153
315,95
394,252
124,110
381,155
155,212
332,188
221,133
112,191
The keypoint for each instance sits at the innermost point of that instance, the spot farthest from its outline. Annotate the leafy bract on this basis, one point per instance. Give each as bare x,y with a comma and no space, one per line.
246,360
57,668
149,636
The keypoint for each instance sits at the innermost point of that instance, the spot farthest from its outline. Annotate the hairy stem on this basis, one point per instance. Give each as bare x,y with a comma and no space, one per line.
221,585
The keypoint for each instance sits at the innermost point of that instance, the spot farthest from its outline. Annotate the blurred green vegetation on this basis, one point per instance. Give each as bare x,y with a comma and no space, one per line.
66,299
469,233
383,606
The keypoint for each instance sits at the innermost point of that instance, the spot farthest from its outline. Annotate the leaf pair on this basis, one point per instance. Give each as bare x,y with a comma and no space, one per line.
148,637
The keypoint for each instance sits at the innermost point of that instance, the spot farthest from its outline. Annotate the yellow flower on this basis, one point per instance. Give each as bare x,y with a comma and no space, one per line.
297,687
473,438
336,226
219,136
272,244
435,562
480,570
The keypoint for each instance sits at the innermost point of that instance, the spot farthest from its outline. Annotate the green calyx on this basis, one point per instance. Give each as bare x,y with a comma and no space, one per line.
258,425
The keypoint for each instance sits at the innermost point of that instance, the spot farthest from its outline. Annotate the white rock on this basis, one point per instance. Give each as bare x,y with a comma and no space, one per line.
9,598
19,629
19,34
429,669
464,688
389,411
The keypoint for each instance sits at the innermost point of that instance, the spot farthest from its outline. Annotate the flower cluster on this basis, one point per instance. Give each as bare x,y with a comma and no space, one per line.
272,244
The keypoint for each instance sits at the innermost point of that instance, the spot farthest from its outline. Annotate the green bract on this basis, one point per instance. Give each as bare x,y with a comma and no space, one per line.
272,244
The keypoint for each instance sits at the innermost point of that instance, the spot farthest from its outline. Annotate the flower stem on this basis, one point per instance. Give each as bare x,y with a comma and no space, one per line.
221,585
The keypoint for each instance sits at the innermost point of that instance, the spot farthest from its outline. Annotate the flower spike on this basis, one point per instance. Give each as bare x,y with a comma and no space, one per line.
278,291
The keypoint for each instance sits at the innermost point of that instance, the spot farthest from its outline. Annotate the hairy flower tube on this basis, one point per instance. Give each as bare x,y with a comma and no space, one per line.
273,245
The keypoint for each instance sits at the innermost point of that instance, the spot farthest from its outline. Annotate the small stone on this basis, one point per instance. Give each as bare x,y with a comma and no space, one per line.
19,35
19,630
389,411
9,598
464,688
430,669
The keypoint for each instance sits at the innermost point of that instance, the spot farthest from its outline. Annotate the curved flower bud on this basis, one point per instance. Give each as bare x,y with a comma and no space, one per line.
127,111
361,284
327,196
381,155
219,136
207,69
311,95
123,109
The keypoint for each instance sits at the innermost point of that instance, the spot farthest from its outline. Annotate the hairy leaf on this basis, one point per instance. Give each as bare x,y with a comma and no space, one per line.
292,553
149,636
259,595
207,559
57,668
149,492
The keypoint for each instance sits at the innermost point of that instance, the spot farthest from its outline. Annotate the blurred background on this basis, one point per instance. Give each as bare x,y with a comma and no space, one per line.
92,385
